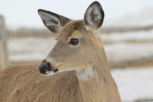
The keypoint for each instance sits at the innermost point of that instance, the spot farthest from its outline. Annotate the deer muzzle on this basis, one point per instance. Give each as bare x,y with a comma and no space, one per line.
44,66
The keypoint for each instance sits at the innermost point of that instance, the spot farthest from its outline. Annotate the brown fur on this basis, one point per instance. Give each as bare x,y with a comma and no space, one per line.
24,83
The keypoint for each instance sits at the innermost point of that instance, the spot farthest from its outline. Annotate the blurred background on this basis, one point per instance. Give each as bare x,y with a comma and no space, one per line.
127,34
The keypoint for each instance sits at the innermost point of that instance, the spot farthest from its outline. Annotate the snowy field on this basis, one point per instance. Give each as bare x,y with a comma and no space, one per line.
128,51
31,49
25,49
134,84
133,36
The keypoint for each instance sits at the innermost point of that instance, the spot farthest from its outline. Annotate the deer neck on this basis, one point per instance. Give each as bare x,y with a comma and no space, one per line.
92,81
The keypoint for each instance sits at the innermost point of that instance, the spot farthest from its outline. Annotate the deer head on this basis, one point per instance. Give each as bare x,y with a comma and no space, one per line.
78,45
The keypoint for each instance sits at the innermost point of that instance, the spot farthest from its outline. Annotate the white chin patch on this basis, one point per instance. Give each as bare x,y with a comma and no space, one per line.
53,73
49,73
82,73
85,74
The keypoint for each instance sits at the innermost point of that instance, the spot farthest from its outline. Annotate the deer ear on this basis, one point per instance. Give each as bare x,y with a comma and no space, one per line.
94,15
52,21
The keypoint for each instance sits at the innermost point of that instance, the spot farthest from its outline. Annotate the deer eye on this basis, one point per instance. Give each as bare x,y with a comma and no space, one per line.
74,41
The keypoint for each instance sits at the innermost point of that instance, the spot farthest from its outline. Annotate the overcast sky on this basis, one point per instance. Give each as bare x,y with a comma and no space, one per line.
23,13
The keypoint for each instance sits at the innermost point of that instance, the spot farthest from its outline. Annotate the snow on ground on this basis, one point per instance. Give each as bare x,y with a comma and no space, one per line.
134,84
128,51
29,49
36,49
137,36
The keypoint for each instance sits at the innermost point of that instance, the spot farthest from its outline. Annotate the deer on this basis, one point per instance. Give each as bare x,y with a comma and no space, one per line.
75,70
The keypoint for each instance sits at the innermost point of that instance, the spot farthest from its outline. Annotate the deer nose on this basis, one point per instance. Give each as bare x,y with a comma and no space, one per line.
44,66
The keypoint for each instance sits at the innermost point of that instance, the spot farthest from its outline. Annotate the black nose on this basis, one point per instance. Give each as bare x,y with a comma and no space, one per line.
43,68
